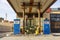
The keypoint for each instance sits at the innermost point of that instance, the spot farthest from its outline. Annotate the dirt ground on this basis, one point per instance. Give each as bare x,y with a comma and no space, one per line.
31,37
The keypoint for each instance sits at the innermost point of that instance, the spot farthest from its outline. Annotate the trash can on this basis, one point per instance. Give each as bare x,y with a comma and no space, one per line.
46,27
16,26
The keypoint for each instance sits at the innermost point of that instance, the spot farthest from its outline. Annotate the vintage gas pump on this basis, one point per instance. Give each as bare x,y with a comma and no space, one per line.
46,29
16,26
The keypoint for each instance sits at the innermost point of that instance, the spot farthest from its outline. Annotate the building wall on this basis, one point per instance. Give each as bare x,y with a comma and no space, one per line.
46,15
1,19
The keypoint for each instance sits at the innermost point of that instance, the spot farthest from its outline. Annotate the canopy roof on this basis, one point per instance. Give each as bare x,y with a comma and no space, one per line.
32,5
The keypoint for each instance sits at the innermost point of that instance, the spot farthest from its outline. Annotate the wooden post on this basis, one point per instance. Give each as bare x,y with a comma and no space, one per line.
33,19
39,19
23,21
23,24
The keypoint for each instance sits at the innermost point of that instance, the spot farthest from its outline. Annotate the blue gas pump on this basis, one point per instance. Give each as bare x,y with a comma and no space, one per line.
46,29
16,26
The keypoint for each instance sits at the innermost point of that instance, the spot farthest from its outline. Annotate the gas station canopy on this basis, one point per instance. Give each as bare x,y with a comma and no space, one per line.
24,7
30,5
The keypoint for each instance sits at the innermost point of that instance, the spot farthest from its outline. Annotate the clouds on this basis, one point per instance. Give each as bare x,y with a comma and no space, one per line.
6,8
56,4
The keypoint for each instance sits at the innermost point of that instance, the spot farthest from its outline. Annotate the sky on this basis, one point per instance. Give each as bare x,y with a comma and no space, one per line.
5,8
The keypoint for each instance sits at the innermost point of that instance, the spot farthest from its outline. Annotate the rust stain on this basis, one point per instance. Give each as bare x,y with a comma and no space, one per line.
31,3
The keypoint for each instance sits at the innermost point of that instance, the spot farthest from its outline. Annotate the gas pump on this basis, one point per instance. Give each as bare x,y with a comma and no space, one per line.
16,26
46,29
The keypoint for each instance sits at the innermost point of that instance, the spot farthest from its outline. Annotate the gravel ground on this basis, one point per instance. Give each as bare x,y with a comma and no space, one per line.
31,37
10,36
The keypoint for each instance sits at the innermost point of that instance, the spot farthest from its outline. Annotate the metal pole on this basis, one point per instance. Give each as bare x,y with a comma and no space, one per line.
6,16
